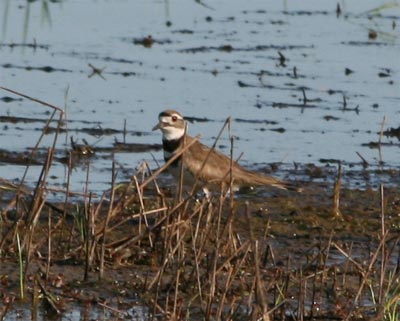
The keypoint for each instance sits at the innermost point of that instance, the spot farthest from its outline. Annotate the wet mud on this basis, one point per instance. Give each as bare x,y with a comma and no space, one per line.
301,237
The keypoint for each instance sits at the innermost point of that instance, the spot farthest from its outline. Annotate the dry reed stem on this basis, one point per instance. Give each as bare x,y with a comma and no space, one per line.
259,285
55,109
383,252
38,200
380,140
364,273
49,248
50,299
121,312
336,194
37,204
33,99
136,238
222,299
88,235
142,210
106,222
212,272
194,187
196,257
364,161
123,200
130,218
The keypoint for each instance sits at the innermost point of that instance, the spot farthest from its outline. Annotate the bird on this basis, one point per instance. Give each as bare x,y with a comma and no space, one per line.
204,164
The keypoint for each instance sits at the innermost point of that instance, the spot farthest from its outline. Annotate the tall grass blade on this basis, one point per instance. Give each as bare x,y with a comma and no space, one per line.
21,269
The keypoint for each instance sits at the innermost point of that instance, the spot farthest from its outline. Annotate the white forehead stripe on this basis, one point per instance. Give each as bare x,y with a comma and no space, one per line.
165,119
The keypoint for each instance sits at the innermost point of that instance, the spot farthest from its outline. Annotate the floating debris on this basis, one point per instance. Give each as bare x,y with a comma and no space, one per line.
372,34
392,132
330,117
348,71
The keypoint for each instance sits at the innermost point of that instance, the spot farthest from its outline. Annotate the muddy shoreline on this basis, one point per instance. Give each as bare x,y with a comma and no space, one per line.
299,237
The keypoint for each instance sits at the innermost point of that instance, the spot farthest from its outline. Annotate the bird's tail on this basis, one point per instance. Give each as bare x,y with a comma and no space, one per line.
288,186
252,178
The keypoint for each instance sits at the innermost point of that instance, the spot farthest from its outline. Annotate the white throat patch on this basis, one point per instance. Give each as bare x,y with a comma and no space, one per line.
173,133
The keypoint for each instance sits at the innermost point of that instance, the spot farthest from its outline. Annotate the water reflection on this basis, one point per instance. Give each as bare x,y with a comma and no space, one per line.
25,10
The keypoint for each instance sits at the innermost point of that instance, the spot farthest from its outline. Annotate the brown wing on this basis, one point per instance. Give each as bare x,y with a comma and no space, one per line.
216,168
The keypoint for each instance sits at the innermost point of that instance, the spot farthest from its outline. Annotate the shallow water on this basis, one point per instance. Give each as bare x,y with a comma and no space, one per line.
209,63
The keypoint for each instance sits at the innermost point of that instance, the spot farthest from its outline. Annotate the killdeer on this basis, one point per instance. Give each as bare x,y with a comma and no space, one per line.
210,167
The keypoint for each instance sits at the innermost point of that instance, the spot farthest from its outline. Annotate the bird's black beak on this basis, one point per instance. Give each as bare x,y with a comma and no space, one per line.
158,126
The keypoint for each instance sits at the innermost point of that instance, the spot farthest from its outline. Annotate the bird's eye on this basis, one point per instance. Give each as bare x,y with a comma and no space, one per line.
174,118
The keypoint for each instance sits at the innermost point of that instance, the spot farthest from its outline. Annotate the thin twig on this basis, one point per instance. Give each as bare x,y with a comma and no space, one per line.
380,140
